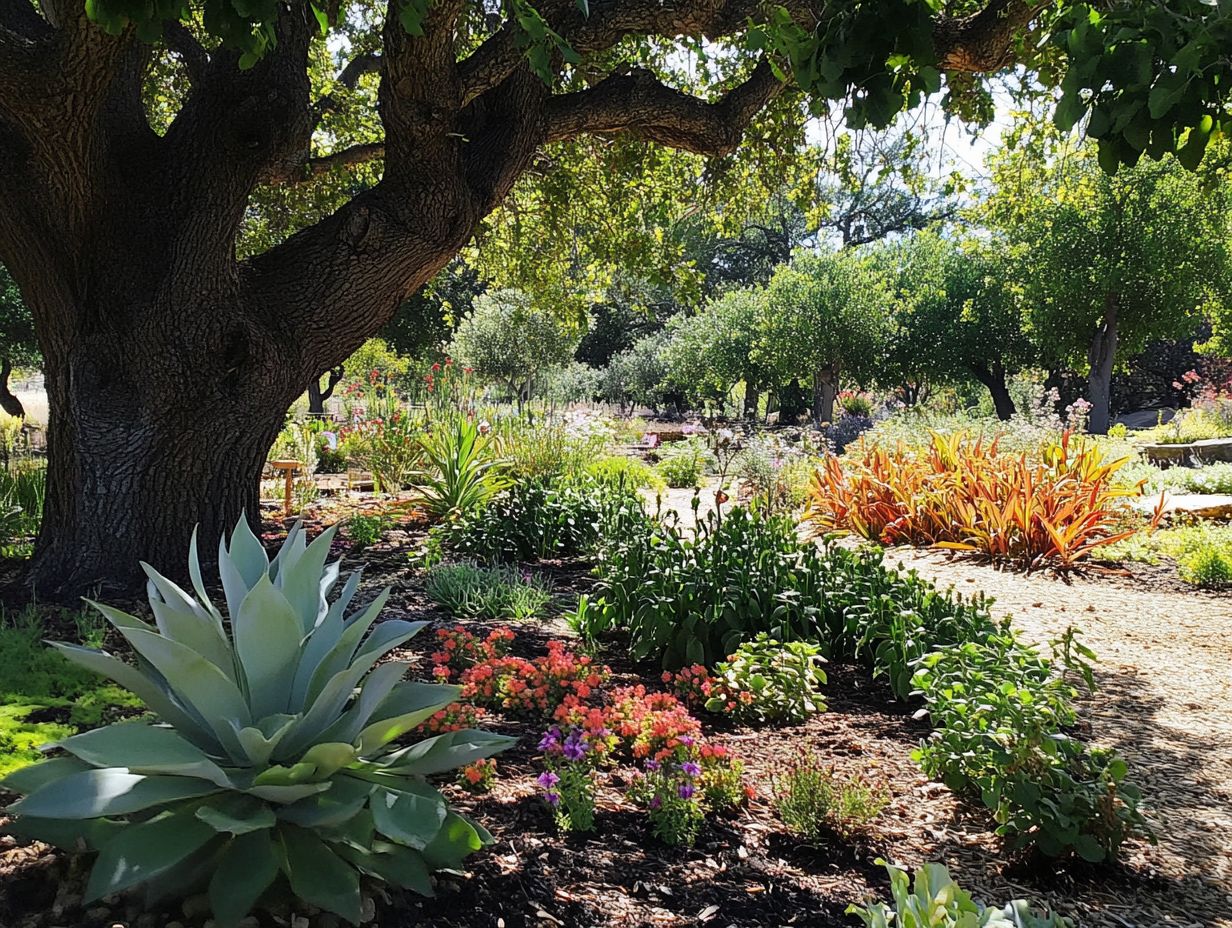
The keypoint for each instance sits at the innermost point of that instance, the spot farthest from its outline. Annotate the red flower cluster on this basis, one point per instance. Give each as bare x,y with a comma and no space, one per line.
651,725
454,717
477,777
533,687
692,685
591,721
460,649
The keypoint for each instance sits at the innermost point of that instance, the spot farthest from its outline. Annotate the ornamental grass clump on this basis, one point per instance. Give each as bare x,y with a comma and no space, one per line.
1053,508
270,771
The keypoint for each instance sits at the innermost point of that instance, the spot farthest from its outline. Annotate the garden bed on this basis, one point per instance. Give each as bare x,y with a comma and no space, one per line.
744,869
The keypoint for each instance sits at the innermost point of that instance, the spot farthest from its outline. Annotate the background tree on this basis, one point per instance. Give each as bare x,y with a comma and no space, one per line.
1108,263
509,341
958,316
711,352
139,140
18,347
635,376
827,319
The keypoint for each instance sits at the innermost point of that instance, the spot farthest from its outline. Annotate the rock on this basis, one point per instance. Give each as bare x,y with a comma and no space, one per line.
367,910
249,921
1199,505
1205,452
196,908
300,921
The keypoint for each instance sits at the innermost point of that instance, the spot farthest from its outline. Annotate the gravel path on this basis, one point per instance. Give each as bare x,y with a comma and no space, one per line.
1164,701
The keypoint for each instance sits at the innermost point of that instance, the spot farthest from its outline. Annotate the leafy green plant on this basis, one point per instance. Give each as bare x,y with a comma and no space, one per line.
766,681
811,799
366,529
496,593
537,519
625,470
275,758
1001,713
936,901
683,463
463,470
1208,566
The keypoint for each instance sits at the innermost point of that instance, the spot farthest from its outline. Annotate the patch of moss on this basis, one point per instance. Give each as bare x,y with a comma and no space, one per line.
44,698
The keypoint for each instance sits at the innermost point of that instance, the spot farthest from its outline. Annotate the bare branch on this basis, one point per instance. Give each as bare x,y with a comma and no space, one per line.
639,104
357,67
323,164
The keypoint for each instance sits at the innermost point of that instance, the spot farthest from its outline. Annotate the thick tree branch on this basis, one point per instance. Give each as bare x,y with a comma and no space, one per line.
984,41
637,103
22,19
185,45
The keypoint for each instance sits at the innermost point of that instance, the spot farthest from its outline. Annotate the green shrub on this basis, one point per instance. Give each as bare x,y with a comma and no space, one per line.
682,463
537,519
618,470
811,799
1208,566
496,593
765,681
936,901
277,758
1000,714
366,529
22,488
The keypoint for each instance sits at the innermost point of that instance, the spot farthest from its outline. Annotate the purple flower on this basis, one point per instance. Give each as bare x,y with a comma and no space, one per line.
552,799
652,765
655,802
685,790
575,747
691,768
548,779
686,740
549,740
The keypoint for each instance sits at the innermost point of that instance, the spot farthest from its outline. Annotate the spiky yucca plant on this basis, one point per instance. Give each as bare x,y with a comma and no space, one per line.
273,756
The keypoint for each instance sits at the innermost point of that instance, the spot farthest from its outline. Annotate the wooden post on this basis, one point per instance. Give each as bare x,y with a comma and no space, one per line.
288,468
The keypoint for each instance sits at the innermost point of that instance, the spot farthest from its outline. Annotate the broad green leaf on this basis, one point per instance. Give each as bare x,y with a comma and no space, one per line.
458,838
394,864
245,870
267,635
111,791
408,706
411,815
142,851
84,834
301,581
143,748
236,814
151,693
26,780
447,752
318,875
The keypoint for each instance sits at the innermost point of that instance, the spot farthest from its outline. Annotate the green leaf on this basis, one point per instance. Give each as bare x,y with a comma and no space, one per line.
394,864
457,839
142,851
236,814
411,815
112,791
1089,849
267,633
317,875
144,748
245,870
447,752
26,780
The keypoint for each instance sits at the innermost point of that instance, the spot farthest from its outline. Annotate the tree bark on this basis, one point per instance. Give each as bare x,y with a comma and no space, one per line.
317,396
751,397
8,400
1101,356
993,378
825,389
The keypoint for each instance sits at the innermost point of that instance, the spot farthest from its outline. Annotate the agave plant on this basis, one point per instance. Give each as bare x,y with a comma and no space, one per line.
271,766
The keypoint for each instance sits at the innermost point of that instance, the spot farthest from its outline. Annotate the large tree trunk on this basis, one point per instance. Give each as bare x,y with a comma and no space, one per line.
153,432
993,378
825,389
1101,356
8,401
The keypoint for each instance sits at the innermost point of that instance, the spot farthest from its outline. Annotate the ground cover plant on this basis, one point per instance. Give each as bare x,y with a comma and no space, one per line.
1202,551
1053,508
497,593
276,764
